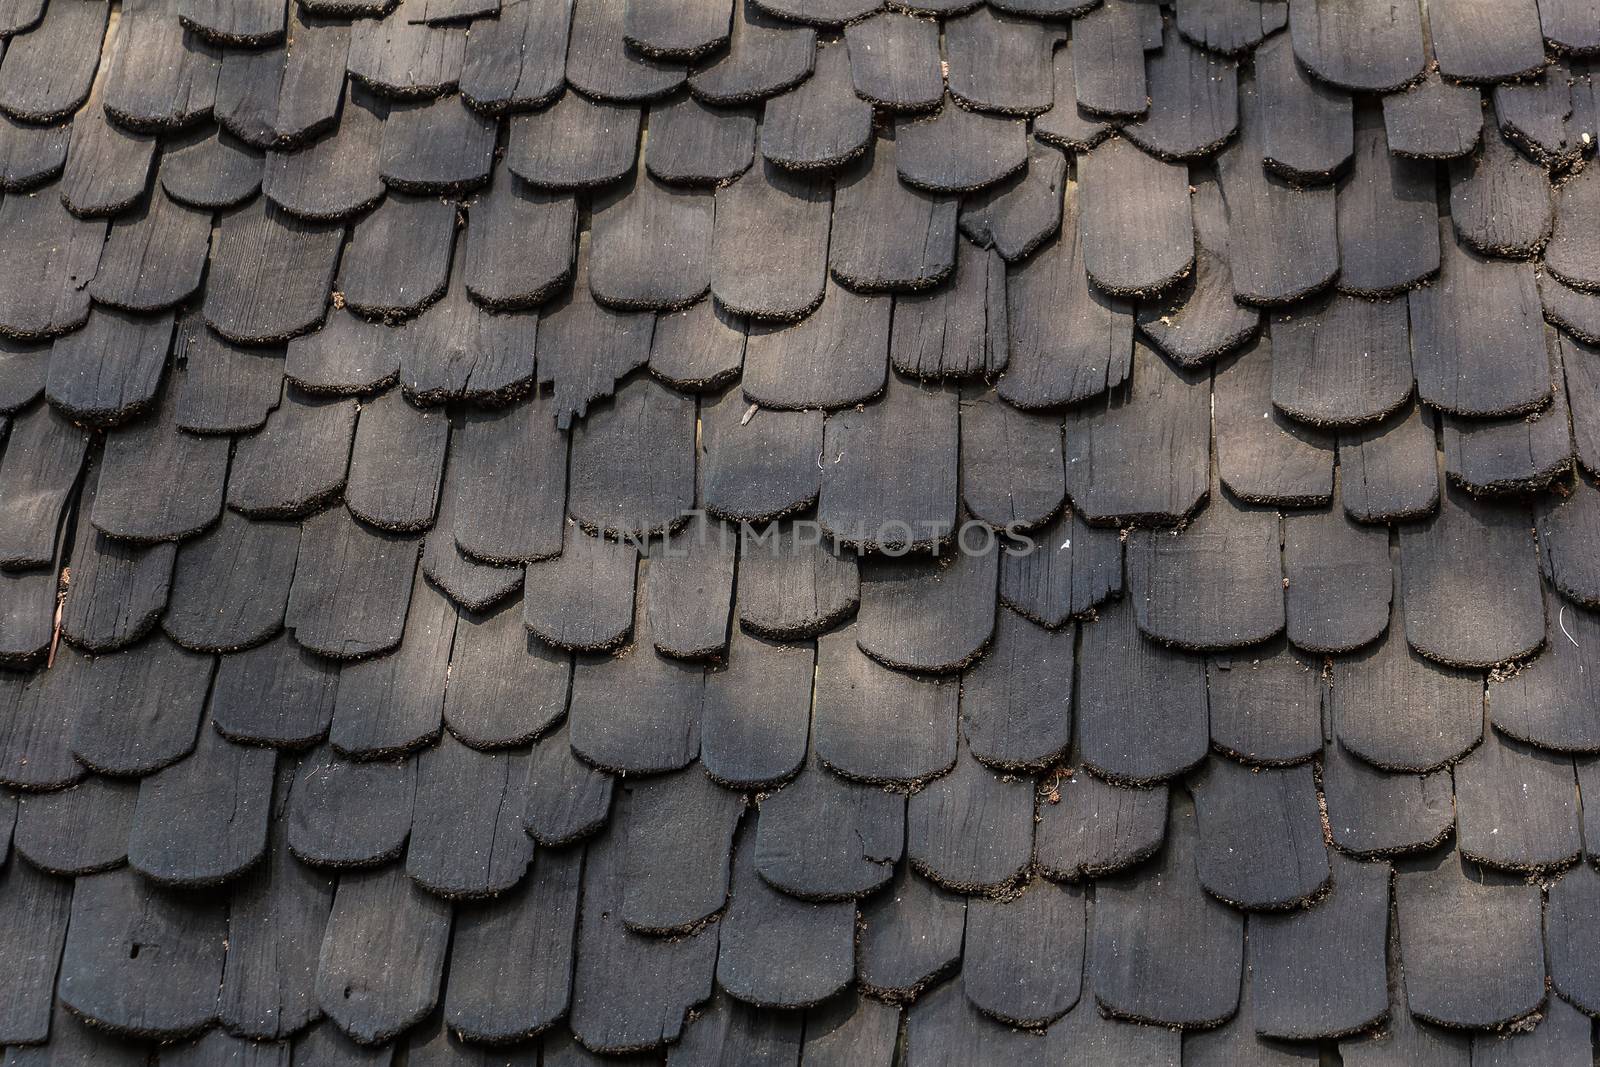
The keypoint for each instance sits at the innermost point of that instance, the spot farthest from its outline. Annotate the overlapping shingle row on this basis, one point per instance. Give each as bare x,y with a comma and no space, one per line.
787,531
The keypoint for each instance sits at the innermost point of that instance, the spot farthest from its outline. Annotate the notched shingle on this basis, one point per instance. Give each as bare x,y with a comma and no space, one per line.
1375,813
53,257
1017,216
1434,119
824,838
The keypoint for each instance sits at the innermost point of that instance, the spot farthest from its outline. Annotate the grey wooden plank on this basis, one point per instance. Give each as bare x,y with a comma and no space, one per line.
820,123
1069,341
1492,976
874,725
1500,203
867,499
511,957
1193,979
139,961
1357,47
1138,234
822,837
379,969
1470,582
1266,711
1516,809
1141,707
887,235
1433,119
765,56
1338,581
1479,344
1383,695
1262,456
1127,468
1341,362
